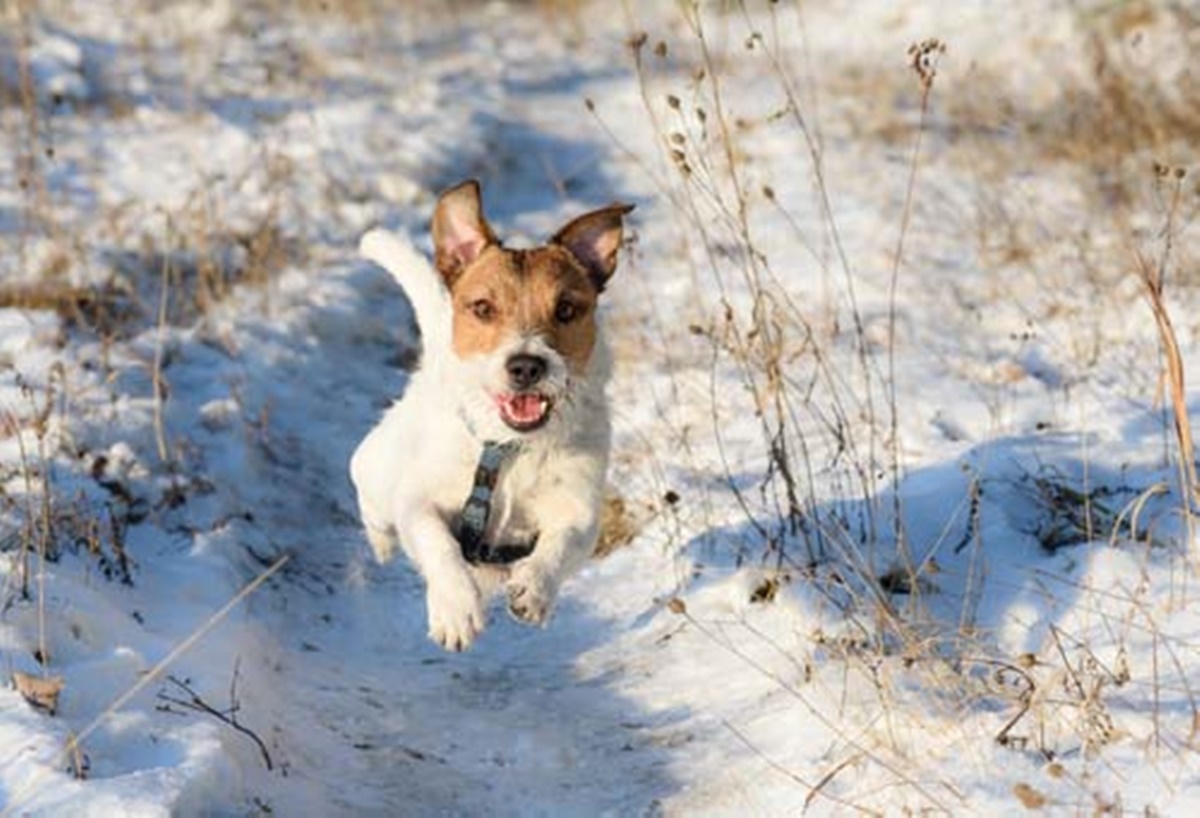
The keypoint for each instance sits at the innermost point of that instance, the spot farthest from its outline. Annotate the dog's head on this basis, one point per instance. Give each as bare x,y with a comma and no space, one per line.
524,329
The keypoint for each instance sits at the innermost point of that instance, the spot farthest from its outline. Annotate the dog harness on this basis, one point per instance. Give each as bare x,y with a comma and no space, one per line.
477,509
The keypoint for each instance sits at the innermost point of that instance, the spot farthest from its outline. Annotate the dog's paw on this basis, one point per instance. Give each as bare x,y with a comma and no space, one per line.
531,594
456,613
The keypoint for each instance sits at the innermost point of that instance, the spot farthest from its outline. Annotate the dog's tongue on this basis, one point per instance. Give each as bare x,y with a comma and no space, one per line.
523,409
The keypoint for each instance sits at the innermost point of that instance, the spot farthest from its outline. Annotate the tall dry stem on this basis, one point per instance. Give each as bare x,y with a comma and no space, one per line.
924,58
1152,275
159,387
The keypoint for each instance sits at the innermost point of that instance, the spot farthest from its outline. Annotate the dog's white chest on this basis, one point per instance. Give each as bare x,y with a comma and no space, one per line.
511,519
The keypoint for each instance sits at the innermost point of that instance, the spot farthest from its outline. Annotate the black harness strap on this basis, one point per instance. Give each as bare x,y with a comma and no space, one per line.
477,509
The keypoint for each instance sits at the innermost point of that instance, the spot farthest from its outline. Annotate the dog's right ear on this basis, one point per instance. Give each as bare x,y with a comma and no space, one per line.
459,230
594,239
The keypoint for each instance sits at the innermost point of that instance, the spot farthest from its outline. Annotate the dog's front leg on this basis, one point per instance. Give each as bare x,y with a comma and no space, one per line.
567,537
455,606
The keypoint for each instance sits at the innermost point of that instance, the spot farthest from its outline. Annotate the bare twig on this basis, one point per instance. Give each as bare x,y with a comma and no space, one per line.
191,700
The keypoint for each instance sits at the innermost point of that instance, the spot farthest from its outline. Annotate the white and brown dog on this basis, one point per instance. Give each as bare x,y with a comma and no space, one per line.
500,442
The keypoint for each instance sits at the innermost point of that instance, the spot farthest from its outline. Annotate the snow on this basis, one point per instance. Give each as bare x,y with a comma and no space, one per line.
698,670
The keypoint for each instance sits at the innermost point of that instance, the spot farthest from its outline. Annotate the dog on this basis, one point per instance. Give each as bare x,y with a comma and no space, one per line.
489,471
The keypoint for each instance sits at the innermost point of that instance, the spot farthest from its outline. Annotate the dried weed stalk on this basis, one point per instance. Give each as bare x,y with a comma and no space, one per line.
807,404
1152,273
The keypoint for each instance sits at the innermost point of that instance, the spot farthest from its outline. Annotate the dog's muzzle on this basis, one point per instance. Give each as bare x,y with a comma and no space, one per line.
524,408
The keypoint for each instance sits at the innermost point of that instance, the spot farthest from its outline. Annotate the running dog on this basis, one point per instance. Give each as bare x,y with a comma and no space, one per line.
489,471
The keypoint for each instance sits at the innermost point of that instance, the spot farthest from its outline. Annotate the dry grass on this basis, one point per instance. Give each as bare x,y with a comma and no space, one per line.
205,252
1123,108
1136,95
203,266
820,384
1153,274
203,261
1093,112
108,274
104,310
827,419
779,350
618,525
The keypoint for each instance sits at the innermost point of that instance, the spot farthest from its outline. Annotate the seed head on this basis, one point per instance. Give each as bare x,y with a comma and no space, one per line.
924,57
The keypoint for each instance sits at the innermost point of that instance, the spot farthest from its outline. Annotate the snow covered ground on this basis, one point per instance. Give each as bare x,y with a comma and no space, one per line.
908,529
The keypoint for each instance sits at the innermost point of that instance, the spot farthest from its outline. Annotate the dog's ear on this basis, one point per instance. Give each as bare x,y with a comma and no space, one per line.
594,239
460,232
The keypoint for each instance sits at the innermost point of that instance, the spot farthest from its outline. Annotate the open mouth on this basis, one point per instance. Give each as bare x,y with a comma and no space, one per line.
524,411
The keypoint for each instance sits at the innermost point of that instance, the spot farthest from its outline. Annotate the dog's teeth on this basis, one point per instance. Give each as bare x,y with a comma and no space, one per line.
523,409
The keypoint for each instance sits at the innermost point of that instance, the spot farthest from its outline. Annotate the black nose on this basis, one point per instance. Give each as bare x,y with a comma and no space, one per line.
525,370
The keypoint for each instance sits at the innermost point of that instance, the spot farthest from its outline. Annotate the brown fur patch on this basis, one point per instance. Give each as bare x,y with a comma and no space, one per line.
509,293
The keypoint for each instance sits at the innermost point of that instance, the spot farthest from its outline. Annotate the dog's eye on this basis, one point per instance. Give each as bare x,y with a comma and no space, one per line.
565,312
483,309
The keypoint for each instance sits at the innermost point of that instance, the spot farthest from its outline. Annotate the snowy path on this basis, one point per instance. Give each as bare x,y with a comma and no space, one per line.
372,716
375,717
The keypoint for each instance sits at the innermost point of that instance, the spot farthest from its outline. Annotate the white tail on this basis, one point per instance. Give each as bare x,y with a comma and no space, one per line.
421,283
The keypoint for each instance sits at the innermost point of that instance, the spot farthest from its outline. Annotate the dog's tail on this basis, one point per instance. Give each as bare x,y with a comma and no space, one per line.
422,284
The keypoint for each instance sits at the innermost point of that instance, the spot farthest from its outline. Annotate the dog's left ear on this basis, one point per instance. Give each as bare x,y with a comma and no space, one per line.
594,239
